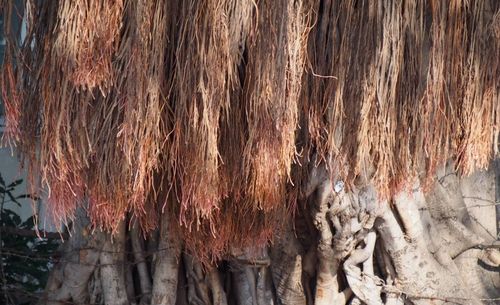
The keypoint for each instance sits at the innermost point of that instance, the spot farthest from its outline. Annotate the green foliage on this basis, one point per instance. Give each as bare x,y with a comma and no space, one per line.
25,257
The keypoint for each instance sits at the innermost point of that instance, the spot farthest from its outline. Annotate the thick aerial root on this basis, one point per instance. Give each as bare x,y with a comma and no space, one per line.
362,282
142,268
166,269
112,261
413,261
286,267
69,279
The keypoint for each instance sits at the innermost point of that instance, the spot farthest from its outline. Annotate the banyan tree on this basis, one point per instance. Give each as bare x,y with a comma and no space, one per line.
214,152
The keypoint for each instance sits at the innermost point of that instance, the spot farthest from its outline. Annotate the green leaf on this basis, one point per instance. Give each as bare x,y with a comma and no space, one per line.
12,198
29,223
33,264
12,218
15,183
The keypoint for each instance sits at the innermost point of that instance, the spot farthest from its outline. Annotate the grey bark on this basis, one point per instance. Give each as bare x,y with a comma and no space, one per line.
140,259
165,278
113,268
69,279
349,247
497,195
286,267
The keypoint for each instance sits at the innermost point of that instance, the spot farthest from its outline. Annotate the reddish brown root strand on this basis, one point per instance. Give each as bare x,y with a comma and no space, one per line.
218,104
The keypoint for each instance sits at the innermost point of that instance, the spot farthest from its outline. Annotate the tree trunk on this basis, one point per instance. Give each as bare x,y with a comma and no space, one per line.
342,247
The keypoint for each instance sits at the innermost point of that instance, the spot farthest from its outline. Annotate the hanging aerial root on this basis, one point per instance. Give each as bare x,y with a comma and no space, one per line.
11,134
204,74
276,50
142,94
232,227
10,91
220,98
383,97
87,37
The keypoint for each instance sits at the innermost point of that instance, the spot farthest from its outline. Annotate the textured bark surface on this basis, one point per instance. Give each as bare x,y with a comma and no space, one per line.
113,269
341,247
166,266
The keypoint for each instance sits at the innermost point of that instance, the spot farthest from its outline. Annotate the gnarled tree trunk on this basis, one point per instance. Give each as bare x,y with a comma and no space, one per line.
436,246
